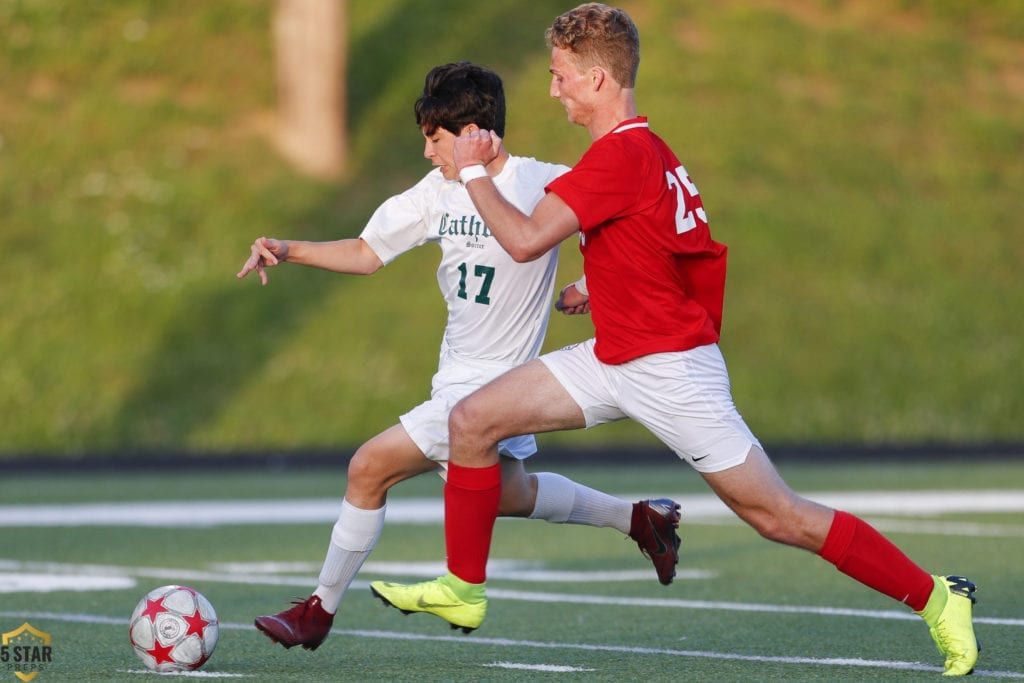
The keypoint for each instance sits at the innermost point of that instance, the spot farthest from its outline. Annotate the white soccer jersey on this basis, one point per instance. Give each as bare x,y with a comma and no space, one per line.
498,309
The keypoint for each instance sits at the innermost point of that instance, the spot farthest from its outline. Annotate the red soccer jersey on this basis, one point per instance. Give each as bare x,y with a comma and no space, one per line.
656,278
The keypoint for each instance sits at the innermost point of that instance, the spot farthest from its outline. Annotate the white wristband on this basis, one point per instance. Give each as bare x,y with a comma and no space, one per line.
472,173
581,286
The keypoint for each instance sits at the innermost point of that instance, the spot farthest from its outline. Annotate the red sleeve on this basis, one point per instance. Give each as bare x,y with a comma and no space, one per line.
602,186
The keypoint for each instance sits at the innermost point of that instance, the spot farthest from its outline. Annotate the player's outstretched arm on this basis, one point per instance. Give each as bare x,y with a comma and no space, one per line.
352,256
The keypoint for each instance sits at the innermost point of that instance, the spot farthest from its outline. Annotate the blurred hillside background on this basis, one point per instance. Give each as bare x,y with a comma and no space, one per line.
864,161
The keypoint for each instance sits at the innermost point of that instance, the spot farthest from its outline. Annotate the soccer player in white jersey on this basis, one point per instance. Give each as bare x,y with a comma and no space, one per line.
498,313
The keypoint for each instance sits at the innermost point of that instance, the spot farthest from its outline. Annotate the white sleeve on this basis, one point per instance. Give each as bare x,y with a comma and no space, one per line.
398,225
557,170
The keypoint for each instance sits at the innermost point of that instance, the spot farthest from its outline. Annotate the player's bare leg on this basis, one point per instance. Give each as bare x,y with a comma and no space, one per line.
379,464
525,400
557,499
755,491
757,494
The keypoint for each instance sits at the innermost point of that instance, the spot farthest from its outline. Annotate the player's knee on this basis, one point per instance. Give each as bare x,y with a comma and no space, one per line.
363,471
466,420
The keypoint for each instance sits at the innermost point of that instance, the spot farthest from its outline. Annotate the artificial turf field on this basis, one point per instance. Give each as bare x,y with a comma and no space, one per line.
77,551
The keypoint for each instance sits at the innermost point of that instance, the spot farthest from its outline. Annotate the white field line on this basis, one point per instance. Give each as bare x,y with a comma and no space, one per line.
696,508
46,577
515,645
56,576
554,668
514,570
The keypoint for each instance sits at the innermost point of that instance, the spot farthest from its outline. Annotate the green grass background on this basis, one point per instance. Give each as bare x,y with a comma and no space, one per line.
863,161
746,569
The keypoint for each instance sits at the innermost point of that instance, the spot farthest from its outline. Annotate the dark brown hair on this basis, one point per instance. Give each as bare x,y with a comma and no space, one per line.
458,94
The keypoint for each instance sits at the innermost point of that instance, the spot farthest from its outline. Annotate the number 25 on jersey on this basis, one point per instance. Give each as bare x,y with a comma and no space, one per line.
686,219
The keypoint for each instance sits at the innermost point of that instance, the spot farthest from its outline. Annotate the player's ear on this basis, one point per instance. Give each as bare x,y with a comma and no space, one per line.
469,128
597,77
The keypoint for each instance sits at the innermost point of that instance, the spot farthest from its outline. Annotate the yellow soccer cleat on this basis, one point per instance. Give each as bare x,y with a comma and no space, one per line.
461,604
949,623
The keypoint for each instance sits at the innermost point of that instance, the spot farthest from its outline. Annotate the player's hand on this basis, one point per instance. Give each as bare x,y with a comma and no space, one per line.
478,147
263,253
572,302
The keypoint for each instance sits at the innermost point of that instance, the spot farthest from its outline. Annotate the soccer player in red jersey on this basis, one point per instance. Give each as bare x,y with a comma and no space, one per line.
654,283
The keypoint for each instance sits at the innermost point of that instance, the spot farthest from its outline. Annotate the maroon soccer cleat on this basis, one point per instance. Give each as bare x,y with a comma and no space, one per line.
306,624
653,527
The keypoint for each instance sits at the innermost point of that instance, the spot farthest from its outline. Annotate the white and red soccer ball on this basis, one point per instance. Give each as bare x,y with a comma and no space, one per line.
174,628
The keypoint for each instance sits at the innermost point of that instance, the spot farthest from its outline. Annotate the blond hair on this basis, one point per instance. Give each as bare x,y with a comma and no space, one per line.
599,35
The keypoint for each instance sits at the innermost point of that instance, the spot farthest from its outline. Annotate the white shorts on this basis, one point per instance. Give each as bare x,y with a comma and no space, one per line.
456,378
682,397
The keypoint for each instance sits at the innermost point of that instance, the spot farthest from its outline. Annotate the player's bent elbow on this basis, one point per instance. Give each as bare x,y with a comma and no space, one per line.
526,253
368,268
